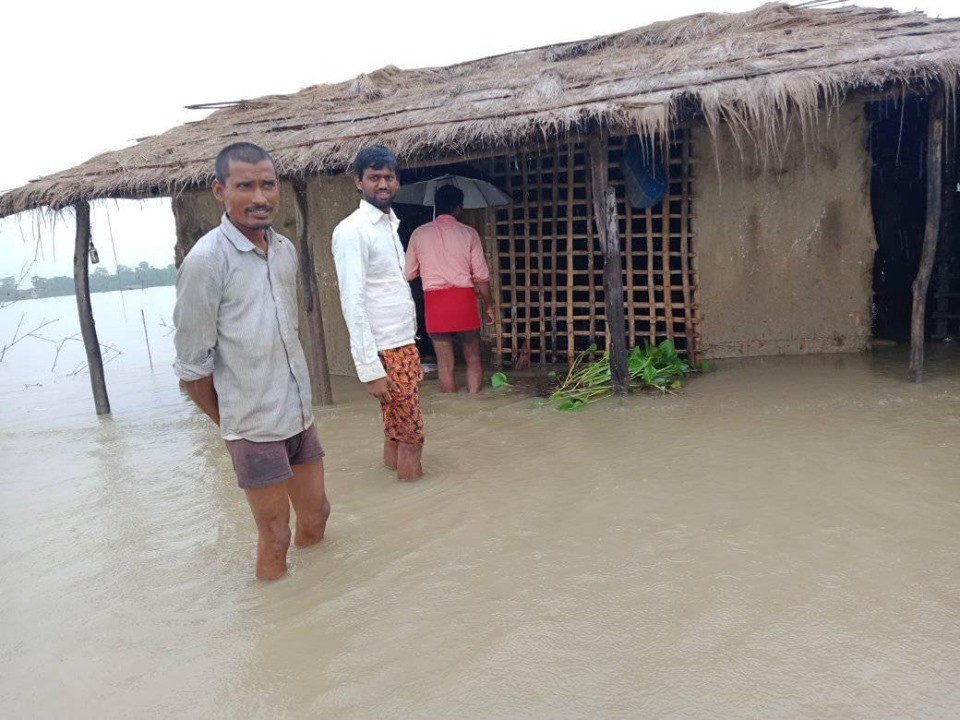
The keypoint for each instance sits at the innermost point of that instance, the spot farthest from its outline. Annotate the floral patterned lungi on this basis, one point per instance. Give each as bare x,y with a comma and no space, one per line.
402,416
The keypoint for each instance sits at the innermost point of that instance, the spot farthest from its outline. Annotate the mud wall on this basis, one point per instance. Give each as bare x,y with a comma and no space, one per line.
785,246
330,199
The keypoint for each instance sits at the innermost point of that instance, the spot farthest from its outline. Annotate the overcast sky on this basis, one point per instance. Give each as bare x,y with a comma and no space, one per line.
82,78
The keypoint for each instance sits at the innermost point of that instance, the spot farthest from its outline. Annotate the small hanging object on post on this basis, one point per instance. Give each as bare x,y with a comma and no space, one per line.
94,255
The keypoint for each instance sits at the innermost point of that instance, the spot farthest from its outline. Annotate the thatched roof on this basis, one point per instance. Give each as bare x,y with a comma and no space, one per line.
746,69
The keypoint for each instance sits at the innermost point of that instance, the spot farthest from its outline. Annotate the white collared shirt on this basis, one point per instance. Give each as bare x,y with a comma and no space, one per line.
236,319
374,294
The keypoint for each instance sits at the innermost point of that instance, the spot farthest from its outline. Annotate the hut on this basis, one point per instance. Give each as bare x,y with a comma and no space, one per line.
803,155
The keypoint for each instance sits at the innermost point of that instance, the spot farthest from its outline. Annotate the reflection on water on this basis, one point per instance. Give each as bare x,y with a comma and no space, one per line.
780,541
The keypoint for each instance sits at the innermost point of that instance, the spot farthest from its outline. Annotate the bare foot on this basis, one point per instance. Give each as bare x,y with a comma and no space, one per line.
271,561
271,573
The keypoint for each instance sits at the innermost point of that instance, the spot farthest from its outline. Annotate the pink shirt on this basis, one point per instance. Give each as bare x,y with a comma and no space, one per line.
446,253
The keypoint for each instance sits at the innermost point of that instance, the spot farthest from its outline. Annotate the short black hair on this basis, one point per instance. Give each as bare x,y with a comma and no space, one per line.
447,198
377,157
241,152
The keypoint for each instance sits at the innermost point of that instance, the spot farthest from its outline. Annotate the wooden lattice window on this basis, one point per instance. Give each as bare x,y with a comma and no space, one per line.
549,266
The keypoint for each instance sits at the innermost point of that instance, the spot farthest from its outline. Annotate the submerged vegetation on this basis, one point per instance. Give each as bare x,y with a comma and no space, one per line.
651,366
658,367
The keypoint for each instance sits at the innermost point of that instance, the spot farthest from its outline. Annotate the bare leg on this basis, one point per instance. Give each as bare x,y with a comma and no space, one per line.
471,353
390,454
446,361
310,502
408,461
271,511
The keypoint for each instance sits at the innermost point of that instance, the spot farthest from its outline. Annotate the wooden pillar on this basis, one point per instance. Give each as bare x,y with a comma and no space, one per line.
81,280
605,214
317,350
935,117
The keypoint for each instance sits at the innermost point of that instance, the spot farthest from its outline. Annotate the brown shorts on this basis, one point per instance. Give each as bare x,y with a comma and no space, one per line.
258,464
402,416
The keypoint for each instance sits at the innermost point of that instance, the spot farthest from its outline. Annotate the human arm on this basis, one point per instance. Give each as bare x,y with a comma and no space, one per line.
350,258
480,274
199,290
483,290
204,395
412,260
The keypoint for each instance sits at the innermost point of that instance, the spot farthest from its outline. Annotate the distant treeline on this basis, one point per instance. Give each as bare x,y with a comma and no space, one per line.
101,280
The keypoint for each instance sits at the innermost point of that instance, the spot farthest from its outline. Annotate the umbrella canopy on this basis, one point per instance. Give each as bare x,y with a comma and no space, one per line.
476,193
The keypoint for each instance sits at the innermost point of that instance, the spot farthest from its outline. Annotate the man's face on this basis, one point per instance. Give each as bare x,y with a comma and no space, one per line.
378,186
250,194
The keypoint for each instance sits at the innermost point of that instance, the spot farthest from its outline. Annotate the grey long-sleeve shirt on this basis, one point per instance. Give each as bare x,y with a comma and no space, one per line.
236,319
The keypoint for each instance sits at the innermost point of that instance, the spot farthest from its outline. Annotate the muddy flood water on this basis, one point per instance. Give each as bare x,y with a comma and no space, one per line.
780,541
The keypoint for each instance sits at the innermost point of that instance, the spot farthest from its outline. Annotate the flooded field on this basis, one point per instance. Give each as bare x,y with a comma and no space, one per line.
780,541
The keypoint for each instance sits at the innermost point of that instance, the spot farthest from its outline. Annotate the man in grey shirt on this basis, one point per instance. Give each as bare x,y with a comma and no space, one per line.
240,360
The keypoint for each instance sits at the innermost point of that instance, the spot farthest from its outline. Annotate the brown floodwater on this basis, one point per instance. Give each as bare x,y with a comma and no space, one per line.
779,541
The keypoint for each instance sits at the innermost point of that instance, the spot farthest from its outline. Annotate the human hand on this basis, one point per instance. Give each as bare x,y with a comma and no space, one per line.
382,389
488,315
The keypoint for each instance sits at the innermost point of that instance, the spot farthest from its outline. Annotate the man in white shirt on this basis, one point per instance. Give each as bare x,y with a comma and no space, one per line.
379,310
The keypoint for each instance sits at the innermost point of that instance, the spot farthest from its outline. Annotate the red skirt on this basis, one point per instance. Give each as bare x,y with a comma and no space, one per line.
451,310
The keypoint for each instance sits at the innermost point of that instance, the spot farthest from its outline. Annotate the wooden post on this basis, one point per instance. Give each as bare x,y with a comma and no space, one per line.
81,280
317,355
931,231
605,214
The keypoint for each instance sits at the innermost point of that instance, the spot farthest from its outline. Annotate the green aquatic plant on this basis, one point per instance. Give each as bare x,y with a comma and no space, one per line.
499,380
651,366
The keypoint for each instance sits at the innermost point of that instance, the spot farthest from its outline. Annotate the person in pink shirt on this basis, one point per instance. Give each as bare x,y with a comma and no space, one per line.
448,257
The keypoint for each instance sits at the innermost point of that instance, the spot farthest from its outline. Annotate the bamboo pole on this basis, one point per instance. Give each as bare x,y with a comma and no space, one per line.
555,199
146,337
493,254
685,246
651,279
542,282
931,232
630,256
665,240
317,357
512,249
88,329
571,337
592,199
528,279
491,250
605,212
